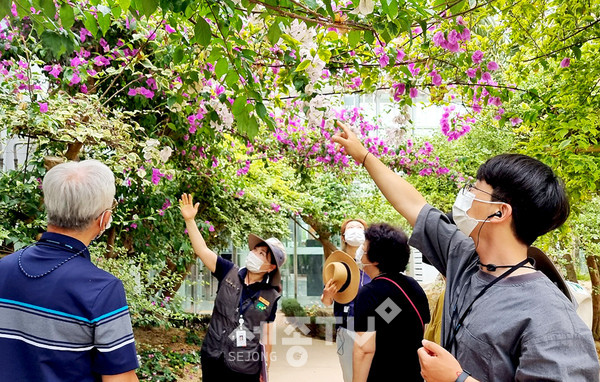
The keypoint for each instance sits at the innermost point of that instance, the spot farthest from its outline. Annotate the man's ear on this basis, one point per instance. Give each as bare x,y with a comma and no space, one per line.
271,268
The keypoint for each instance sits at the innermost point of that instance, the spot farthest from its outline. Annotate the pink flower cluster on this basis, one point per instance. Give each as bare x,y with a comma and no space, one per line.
455,125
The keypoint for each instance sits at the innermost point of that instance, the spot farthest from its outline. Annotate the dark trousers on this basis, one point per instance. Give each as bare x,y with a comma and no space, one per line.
215,370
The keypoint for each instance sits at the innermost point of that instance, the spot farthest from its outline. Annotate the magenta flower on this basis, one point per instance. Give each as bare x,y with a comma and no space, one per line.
101,61
53,70
477,57
565,62
492,66
169,29
43,107
515,121
75,79
132,92
384,60
413,92
84,89
83,33
472,72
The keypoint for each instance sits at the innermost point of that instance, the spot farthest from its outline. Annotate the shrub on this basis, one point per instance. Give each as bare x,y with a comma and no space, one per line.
292,308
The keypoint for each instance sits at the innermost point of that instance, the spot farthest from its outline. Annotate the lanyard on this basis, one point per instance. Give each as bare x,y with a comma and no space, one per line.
451,340
242,309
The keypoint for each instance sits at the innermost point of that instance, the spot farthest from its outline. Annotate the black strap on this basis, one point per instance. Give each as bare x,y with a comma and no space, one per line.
450,340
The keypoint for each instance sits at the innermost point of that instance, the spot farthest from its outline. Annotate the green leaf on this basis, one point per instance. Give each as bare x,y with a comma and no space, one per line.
49,8
325,55
231,78
329,9
303,65
178,55
57,44
222,67
274,33
202,32
4,8
104,22
239,105
576,51
90,24
353,38
149,7
261,110
393,9
67,17
124,4
369,37
251,128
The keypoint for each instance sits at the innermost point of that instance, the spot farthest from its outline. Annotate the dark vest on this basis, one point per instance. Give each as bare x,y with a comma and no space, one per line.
220,337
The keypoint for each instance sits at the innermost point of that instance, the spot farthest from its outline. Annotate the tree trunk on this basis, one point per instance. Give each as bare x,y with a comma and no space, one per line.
110,244
323,235
73,151
569,260
592,264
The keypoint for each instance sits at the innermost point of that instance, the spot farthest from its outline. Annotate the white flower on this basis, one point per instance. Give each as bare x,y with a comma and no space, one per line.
365,7
165,153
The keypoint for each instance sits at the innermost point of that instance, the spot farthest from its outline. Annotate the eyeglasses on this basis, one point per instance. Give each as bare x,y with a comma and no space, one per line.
470,186
114,205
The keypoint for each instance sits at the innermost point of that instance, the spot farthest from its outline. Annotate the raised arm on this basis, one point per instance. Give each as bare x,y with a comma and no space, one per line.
188,211
401,194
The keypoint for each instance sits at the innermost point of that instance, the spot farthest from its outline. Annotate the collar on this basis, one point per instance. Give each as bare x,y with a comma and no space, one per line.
242,275
65,242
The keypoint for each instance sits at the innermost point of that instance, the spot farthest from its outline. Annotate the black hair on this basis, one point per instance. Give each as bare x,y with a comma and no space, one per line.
537,196
388,246
263,244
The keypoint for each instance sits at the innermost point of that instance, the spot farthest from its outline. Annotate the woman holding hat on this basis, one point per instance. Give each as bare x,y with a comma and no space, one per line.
237,344
390,312
353,236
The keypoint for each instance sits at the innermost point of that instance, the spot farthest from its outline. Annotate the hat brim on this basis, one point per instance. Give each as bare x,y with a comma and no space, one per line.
253,241
351,290
546,266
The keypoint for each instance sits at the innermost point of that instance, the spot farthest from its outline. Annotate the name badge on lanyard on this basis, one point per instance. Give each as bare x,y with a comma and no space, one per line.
240,334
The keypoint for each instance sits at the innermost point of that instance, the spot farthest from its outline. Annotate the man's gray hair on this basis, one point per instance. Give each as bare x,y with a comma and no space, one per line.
76,193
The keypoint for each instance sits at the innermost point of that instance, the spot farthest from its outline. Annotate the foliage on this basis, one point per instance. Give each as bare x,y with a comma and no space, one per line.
292,308
156,365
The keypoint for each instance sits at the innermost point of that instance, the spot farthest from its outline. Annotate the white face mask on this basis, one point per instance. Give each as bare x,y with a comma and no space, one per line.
354,236
254,263
463,203
359,256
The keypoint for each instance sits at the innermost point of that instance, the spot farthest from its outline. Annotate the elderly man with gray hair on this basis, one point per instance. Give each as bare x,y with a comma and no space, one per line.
61,317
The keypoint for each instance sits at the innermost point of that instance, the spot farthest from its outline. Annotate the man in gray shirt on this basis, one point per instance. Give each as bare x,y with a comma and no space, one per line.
503,320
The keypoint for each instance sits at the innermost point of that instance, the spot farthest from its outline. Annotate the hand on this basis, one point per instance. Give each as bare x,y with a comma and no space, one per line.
350,142
330,290
437,364
187,208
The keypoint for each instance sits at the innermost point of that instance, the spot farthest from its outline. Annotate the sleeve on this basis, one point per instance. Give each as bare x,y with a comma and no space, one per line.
114,347
566,357
364,311
271,317
223,267
440,241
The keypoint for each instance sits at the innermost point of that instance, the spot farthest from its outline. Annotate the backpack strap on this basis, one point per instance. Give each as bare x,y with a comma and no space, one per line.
408,298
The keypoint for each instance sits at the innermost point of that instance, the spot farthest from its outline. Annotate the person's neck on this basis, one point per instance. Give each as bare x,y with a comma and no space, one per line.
372,271
86,236
252,277
351,250
503,251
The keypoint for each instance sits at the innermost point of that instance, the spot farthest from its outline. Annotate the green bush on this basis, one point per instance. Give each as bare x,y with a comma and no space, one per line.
292,308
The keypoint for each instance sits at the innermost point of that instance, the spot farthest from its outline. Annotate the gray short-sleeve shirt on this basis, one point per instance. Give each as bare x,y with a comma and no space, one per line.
522,329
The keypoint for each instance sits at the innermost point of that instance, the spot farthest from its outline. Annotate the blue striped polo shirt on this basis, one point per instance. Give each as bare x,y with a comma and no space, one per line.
71,324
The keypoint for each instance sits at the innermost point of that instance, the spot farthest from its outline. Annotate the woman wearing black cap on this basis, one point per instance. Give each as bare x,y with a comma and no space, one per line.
237,343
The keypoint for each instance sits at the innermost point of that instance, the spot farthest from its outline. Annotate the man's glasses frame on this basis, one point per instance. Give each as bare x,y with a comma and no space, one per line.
470,186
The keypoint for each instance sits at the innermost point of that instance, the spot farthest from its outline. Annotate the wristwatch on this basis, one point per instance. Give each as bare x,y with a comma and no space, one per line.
463,376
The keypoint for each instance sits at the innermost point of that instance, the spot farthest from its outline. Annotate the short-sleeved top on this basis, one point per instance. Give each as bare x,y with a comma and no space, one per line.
382,307
522,329
71,324
224,266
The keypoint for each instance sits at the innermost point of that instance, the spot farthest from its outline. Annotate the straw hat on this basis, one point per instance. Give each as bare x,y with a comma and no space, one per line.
343,270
